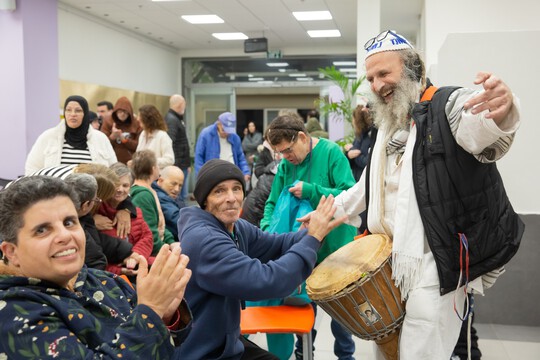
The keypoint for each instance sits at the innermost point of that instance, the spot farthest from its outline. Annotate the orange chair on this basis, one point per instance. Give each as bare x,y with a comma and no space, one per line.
123,276
280,319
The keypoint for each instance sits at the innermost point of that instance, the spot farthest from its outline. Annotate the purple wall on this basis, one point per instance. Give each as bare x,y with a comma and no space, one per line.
29,80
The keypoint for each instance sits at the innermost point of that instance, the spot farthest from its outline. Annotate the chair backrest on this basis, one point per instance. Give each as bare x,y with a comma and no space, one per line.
277,319
123,276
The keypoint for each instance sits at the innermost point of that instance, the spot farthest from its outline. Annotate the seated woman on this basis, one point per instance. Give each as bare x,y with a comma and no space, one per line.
122,220
100,248
57,307
145,171
140,236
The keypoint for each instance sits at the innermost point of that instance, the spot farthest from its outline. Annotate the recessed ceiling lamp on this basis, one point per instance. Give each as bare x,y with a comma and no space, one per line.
297,75
344,63
230,36
203,19
304,79
256,79
278,64
348,70
312,15
324,33
171,0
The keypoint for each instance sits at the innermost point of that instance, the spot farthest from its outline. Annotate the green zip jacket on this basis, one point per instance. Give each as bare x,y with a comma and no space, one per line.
143,198
326,171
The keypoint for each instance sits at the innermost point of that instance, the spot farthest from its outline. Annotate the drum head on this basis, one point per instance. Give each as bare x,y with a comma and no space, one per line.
347,265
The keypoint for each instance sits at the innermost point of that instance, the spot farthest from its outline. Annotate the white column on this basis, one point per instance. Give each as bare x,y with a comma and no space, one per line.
368,25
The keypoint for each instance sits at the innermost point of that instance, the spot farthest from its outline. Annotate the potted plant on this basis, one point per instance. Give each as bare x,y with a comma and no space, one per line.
344,108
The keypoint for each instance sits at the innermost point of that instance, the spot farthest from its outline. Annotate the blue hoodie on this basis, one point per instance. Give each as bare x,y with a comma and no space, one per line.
170,208
230,268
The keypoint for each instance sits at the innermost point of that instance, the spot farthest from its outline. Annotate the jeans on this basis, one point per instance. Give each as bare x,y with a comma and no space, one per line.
344,345
254,352
184,192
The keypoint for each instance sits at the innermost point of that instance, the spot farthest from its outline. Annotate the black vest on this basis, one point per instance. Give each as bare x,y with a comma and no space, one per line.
458,194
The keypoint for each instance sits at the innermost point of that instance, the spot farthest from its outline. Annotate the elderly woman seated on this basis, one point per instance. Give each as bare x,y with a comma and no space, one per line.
141,235
54,306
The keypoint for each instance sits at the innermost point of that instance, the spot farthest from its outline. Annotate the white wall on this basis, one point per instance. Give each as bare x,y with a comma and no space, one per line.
94,53
456,16
517,65
463,37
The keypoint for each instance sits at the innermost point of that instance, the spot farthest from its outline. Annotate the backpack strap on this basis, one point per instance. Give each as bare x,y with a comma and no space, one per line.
428,93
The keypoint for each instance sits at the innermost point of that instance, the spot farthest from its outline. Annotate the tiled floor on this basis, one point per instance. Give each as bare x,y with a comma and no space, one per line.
497,342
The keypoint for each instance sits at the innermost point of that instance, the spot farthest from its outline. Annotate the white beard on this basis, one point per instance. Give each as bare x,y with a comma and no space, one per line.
395,115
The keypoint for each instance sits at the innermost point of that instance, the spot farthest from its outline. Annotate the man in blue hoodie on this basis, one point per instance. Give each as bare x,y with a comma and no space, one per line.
233,261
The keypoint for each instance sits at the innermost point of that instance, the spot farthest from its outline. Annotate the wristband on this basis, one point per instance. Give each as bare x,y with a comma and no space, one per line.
175,321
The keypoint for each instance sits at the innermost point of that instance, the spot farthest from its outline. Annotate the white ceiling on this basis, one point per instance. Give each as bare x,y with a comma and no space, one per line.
273,19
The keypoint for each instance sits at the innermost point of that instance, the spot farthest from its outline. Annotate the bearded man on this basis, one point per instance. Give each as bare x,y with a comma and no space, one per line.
433,187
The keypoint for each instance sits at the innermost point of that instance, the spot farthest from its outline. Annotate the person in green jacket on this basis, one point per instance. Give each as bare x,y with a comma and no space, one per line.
145,171
321,168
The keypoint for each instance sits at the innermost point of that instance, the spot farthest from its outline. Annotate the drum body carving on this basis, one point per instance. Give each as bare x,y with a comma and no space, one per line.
354,286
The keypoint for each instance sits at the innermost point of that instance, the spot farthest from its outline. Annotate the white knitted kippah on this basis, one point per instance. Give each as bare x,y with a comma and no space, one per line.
387,41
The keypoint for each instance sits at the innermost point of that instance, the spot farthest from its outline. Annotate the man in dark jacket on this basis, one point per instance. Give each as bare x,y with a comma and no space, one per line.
167,187
232,261
176,128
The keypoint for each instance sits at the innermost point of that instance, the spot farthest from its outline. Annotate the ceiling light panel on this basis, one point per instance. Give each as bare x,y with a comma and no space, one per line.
312,15
278,64
324,33
344,63
230,36
203,19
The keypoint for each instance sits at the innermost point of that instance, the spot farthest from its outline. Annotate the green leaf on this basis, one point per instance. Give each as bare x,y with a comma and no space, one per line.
20,310
349,89
26,353
35,348
11,342
136,348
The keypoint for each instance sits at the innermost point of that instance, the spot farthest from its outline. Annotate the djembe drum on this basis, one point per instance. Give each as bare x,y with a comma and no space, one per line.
354,286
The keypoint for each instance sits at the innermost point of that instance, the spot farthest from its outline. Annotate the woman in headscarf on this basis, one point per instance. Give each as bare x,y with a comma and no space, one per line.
72,141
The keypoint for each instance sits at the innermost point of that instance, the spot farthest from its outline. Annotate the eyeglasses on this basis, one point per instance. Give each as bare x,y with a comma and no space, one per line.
289,149
377,38
76,111
397,40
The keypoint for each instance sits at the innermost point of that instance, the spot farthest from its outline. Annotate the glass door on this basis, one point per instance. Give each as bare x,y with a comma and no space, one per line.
206,105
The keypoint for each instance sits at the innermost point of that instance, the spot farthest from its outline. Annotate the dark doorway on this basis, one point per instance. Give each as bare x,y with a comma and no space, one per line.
243,117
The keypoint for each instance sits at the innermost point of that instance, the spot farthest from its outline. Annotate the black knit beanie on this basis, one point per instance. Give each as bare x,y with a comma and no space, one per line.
211,174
